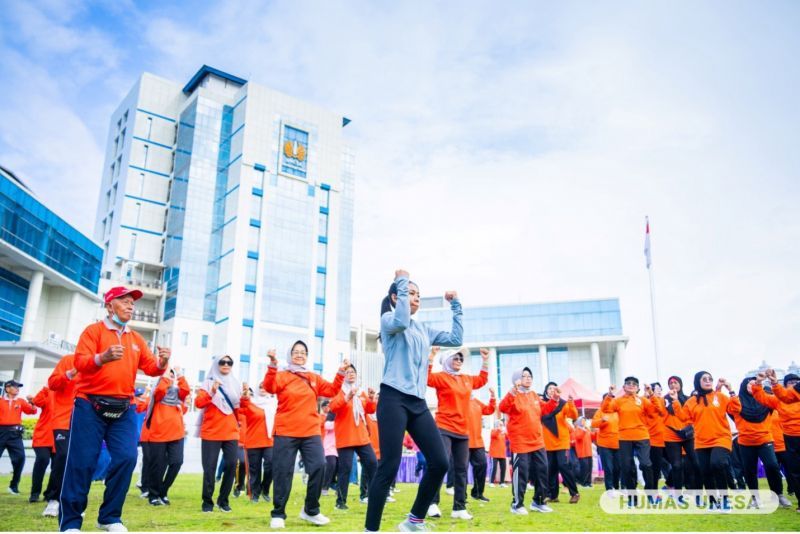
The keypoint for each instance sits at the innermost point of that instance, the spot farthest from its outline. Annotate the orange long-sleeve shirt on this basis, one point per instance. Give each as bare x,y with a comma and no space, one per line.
256,436
777,431
296,416
560,442
166,422
583,442
710,422
453,393
63,388
374,437
11,410
672,423
632,410
655,422
497,445
43,431
787,395
525,420
789,412
348,434
115,378
216,426
477,410
608,430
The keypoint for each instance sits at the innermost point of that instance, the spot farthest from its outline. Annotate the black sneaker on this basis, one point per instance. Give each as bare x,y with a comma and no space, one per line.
341,506
224,508
237,492
156,502
254,499
33,498
165,500
13,491
266,498
482,498
208,508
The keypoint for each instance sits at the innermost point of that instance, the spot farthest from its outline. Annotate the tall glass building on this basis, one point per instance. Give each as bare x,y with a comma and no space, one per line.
49,274
231,206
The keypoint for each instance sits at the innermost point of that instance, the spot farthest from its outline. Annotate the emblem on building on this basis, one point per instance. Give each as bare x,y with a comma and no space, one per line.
295,150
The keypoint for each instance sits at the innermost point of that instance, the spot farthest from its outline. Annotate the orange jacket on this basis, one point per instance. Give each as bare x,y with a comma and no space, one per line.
115,378
477,410
166,422
672,422
63,388
753,434
374,437
453,393
583,442
256,436
297,416
560,442
216,425
777,431
43,431
11,410
655,423
608,430
497,446
787,395
525,420
632,410
710,421
348,434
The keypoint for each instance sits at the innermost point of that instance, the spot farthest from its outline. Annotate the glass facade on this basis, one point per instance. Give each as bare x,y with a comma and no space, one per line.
346,217
13,298
27,225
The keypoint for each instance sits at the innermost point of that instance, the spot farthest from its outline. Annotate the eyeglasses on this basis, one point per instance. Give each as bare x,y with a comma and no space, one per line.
631,383
458,358
299,353
225,363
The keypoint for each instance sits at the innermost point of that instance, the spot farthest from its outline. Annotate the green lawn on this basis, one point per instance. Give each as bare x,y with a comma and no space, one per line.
184,514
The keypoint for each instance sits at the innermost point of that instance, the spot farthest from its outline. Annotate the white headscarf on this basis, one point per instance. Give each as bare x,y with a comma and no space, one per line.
293,367
228,383
358,406
269,404
447,360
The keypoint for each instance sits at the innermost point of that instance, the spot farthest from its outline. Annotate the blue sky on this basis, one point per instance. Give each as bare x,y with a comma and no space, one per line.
510,151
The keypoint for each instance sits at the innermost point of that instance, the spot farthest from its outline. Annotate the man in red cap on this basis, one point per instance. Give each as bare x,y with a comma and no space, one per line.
107,358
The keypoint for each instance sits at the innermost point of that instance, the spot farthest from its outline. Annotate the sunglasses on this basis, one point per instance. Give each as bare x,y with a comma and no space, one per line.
631,383
225,363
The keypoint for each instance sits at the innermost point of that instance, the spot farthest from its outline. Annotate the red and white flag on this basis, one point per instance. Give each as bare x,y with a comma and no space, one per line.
647,257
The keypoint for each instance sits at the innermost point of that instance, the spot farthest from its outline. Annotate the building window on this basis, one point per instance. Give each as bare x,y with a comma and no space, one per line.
249,305
253,238
185,339
251,268
138,214
122,139
119,165
204,341
141,184
325,199
320,285
319,323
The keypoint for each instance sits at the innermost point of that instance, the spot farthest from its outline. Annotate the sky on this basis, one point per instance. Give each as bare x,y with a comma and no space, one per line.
510,151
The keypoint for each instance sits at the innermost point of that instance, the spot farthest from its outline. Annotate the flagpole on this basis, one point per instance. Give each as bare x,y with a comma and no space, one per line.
652,295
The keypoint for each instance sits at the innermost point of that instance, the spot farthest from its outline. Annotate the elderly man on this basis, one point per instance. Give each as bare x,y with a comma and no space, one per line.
11,409
107,358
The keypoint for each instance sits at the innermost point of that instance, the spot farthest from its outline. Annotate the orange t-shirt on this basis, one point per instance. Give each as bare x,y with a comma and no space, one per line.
43,431
525,420
11,410
166,422
753,434
115,378
560,442
710,421
655,422
789,409
608,430
63,392
583,442
497,446
632,410
297,416
477,410
453,393
374,437
777,431
348,434
216,426
256,436
672,423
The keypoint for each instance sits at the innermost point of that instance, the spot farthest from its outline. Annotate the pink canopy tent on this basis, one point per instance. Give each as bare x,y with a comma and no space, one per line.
585,398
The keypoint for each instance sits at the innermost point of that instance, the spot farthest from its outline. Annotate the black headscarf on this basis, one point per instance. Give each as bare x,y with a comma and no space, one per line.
699,392
549,420
682,398
752,410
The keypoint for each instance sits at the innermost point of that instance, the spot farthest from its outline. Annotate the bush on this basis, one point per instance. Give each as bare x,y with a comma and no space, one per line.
28,425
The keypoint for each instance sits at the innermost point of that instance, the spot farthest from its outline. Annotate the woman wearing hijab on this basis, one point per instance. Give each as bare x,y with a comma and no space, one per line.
259,413
403,407
706,409
679,440
528,456
655,427
751,412
351,406
165,432
453,392
556,443
219,398
297,428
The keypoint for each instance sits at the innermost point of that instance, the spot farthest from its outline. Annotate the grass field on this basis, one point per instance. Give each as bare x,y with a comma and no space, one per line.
184,514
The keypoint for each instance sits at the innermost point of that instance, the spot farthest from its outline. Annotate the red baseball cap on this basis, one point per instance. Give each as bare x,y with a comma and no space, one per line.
121,291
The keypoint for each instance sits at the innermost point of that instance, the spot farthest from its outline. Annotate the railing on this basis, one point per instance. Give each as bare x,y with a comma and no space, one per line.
145,316
60,344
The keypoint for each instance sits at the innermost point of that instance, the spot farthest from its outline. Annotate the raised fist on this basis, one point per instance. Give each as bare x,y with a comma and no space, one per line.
401,273
449,296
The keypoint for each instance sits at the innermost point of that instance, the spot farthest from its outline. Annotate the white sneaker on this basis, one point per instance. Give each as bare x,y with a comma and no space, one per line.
365,500
112,527
51,510
491,484
277,522
73,530
503,485
318,519
529,486
433,511
543,508
460,514
324,493
389,498
784,501
450,491
519,511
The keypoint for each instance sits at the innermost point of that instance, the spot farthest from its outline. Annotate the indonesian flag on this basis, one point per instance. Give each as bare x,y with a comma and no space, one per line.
647,257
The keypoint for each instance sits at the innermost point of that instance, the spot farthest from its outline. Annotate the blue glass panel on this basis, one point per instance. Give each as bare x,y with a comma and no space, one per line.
13,298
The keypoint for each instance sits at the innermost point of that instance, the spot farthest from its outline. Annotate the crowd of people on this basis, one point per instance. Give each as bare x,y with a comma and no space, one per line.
89,402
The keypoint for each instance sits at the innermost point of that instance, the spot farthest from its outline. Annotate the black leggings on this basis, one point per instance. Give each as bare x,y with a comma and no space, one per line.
209,452
43,457
477,459
557,462
714,466
674,452
368,465
751,455
656,458
458,451
331,466
398,412
499,466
